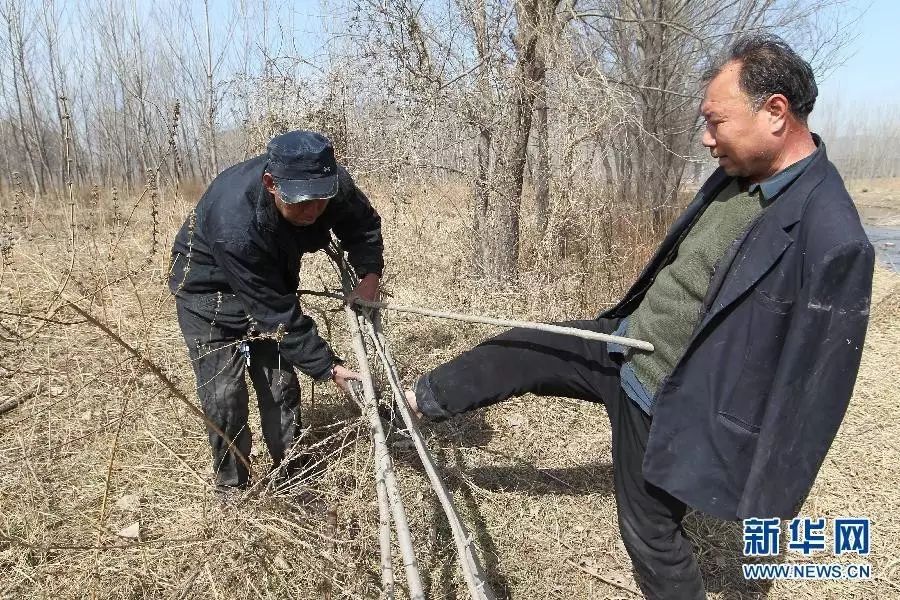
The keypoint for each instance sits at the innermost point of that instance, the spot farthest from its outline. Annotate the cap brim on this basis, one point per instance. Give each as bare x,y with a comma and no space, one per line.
301,190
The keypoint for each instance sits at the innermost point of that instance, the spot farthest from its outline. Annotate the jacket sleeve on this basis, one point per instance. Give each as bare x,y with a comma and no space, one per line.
813,381
358,227
249,270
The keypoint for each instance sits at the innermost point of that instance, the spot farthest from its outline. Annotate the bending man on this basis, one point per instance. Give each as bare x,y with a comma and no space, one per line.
235,274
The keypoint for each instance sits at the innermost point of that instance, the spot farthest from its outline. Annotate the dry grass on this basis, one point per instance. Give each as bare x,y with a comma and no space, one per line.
532,476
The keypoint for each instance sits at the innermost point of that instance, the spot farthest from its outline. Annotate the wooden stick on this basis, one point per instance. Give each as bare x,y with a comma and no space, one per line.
581,333
441,314
471,566
384,510
384,537
404,537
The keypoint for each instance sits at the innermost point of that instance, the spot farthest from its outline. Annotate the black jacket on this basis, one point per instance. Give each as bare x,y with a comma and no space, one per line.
237,242
743,423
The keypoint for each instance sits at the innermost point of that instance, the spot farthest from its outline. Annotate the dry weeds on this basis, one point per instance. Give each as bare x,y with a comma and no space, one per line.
101,445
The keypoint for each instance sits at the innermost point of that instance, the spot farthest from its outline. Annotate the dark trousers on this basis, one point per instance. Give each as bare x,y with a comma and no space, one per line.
213,327
522,361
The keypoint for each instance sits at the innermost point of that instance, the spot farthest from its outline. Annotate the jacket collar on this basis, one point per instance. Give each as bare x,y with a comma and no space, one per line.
770,188
267,216
785,208
799,178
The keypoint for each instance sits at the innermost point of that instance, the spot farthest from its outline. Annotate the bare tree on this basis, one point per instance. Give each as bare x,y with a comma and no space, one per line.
599,96
483,60
655,51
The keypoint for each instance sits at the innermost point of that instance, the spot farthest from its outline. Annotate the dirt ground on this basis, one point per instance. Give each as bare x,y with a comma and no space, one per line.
104,489
878,200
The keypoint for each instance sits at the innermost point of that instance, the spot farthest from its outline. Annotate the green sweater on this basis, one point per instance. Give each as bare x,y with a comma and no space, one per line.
671,308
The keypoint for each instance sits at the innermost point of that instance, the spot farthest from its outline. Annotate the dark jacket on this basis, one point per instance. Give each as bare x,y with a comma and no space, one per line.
236,242
743,423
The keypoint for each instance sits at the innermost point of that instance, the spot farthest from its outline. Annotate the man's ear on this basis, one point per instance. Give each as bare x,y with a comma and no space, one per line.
269,182
778,108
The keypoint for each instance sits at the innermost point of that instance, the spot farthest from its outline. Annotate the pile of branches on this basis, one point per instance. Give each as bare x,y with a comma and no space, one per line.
365,325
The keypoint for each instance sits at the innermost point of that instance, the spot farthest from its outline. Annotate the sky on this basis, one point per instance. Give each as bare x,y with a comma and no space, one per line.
870,74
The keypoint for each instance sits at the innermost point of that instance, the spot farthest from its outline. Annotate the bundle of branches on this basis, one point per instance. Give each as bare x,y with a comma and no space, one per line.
391,507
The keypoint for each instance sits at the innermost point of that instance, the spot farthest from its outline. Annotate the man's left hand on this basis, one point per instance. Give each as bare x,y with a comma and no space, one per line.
367,289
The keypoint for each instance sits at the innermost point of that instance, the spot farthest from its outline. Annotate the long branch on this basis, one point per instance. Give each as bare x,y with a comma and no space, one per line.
471,566
441,314
384,509
384,536
404,537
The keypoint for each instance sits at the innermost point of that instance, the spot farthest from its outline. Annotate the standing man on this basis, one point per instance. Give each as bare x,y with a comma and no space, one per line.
756,302
235,273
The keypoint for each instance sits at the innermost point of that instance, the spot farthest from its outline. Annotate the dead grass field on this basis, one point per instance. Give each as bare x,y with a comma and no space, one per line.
100,444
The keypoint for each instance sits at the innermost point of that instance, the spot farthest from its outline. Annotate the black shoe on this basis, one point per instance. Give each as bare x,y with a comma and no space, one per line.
295,470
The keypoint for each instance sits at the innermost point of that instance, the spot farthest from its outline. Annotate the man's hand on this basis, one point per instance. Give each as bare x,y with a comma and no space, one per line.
367,289
341,377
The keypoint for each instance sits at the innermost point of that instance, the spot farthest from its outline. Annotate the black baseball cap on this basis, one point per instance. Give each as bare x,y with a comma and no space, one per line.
303,166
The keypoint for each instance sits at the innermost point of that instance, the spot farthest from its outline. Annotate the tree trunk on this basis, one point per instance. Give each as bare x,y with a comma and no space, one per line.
480,201
13,22
481,184
505,195
542,172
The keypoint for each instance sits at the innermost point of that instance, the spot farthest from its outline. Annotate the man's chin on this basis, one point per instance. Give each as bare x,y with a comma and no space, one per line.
731,169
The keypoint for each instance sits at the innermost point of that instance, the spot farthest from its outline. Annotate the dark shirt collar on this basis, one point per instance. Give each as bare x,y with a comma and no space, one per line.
777,183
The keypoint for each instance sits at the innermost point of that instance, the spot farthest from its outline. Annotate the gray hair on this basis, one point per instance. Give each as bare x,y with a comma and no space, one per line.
770,66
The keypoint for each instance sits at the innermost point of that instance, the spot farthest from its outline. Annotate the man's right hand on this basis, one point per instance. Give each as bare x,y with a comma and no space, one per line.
341,377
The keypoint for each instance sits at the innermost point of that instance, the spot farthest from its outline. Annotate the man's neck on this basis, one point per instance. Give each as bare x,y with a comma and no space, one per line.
798,146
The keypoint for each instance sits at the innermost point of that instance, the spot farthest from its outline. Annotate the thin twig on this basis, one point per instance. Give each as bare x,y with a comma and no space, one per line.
103,503
604,579
37,318
169,384
184,463
22,397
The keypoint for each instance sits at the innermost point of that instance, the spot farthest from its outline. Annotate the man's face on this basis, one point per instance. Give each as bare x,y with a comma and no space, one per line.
298,213
741,138
301,213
